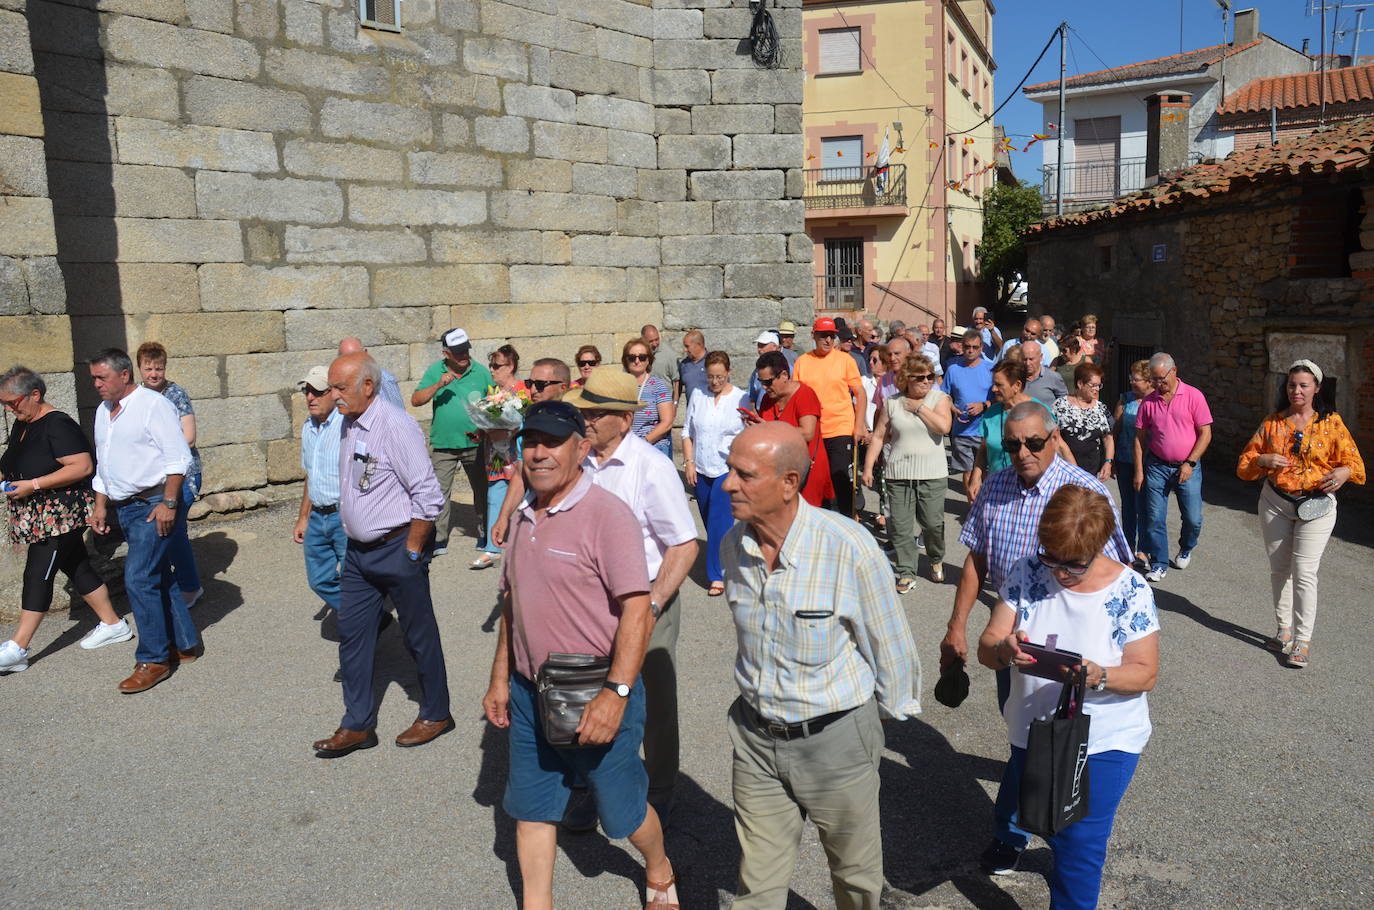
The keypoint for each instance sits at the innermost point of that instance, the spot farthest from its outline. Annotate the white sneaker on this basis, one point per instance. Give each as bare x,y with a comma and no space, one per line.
1182,559
103,635
13,658
1156,574
439,551
191,597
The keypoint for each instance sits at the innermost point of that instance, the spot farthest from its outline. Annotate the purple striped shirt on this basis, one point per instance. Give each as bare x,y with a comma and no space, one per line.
385,451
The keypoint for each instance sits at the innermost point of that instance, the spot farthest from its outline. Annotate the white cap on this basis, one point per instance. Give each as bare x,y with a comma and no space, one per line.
767,338
455,339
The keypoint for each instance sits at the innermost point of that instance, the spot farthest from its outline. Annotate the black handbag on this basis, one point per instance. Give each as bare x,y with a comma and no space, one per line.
565,684
1054,781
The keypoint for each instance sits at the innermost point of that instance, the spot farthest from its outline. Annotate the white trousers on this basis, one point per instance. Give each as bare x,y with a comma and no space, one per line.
1295,554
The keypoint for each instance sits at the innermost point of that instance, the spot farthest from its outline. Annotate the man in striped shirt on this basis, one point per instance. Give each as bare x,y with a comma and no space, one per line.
824,652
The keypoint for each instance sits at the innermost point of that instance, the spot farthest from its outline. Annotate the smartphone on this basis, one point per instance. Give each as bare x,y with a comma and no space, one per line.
1049,662
749,413
9,487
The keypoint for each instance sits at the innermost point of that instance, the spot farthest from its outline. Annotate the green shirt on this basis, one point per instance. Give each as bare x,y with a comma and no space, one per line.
452,424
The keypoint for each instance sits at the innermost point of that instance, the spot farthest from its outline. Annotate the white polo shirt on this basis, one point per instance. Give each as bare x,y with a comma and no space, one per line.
647,481
139,447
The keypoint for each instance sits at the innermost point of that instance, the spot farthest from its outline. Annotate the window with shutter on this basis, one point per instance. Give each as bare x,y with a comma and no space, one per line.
382,14
840,50
842,157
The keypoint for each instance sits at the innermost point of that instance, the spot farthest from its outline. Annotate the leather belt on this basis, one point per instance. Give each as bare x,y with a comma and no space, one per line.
1295,498
145,496
794,731
325,510
388,537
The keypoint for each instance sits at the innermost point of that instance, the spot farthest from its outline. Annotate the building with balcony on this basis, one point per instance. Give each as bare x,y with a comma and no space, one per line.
1125,126
899,149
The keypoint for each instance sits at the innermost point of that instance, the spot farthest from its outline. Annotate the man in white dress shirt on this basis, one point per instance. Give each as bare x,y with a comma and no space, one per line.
141,461
647,481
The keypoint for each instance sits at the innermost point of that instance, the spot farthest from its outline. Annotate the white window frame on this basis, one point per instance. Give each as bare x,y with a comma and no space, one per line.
394,5
837,41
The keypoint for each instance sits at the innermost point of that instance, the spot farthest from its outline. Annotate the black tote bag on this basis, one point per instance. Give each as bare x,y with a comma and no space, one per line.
1054,781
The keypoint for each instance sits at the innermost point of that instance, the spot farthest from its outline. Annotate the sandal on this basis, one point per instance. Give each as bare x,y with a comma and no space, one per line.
1297,657
717,588
485,561
937,574
662,895
905,584
1281,642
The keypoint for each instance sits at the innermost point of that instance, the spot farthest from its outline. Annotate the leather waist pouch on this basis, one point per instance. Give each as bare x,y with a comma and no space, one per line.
565,684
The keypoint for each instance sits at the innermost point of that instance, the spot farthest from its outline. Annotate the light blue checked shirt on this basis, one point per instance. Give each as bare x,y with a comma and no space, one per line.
824,631
1003,524
320,458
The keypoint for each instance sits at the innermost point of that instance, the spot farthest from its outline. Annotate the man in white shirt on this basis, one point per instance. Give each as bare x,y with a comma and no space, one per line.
646,480
141,461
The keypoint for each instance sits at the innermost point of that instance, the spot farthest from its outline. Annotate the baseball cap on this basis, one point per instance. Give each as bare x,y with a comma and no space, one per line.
786,327
558,419
823,324
767,338
456,340
608,388
317,379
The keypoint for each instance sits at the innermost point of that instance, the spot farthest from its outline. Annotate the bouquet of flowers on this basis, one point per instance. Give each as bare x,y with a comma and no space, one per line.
498,409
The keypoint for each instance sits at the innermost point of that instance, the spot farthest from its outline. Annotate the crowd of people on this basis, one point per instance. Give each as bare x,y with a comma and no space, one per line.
585,512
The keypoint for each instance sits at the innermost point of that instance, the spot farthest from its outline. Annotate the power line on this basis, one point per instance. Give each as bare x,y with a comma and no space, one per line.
1018,88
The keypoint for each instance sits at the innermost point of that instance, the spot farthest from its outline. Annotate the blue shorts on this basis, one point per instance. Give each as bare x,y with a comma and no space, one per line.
541,776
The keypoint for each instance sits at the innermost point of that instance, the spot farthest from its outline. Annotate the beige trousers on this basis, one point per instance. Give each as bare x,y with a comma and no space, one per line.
833,778
1295,554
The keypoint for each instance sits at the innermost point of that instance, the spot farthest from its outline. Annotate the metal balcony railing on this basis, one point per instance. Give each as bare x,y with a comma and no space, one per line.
1095,182
855,187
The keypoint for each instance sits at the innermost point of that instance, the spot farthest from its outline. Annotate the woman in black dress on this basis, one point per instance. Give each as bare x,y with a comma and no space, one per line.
46,470
1085,423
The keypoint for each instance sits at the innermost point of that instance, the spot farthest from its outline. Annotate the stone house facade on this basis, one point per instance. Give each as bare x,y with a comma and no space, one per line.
1237,269
248,181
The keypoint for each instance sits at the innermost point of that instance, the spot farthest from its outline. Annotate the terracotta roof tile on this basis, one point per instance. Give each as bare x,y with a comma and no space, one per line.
1344,146
1174,64
1343,86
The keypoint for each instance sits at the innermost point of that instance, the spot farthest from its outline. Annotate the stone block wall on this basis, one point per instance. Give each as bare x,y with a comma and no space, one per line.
248,181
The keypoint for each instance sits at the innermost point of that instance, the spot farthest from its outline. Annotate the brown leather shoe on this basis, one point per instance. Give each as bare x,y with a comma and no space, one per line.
144,677
343,742
422,731
187,657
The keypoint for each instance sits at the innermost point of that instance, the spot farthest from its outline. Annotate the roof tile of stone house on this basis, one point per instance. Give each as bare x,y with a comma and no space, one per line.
1343,86
1342,147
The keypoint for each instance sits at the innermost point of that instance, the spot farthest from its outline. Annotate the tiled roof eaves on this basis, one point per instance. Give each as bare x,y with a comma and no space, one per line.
1205,57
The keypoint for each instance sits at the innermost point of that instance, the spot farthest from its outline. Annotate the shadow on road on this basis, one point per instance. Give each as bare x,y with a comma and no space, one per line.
1173,603
1222,489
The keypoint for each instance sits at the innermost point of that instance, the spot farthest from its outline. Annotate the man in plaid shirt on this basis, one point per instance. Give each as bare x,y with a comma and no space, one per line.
824,653
1003,526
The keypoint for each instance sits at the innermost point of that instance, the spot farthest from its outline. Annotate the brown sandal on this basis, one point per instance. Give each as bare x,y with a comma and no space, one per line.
717,588
657,893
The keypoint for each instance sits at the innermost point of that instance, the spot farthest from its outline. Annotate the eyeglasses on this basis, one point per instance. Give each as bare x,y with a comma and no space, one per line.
1092,385
540,385
636,358
1073,568
312,393
822,336
14,403
1161,380
1296,450
922,377
497,365
767,383
588,363
1036,444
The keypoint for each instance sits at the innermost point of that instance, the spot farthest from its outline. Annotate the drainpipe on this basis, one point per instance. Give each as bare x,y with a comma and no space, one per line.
1355,46
1273,126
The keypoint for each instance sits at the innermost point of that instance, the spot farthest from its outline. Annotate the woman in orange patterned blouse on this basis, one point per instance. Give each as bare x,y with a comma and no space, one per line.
1304,453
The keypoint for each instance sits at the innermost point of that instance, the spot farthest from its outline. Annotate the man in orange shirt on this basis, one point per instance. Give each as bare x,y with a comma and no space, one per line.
834,377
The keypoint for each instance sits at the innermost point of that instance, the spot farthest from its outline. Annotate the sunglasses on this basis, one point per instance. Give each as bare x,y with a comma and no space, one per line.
1297,442
1075,569
312,393
636,358
830,335
922,377
540,385
1035,444
767,383
588,363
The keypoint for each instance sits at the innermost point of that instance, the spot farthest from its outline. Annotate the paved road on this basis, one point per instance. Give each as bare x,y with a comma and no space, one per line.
1254,791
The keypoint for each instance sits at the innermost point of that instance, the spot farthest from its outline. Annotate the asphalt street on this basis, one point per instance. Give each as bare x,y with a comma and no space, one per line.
203,792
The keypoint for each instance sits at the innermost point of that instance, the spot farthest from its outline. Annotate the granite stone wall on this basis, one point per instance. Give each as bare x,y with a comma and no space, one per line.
248,181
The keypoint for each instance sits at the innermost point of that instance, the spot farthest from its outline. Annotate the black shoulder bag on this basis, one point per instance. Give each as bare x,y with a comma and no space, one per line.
1054,781
565,684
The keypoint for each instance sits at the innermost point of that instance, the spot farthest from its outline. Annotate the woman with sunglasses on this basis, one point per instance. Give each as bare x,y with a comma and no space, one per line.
1086,424
797,404
588,358
46,471
713,421
1008,390
1304,453
654,421
915,423
1104,611
498,449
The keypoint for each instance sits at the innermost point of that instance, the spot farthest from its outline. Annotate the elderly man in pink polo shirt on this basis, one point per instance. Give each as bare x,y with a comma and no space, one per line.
1173,429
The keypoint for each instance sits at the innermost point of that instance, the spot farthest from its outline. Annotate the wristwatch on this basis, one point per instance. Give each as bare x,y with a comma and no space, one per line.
169,502
618,688
414,557
1190,463
1101,683
655,609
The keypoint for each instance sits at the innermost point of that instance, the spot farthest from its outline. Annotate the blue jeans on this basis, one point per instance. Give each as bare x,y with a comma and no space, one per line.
1130,500
184,571
714,504
1160,481
496,494
325,545
1080,850
148,584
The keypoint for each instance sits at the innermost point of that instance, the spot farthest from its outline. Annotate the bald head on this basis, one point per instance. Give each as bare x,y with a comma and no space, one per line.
780,444
768,466
351,345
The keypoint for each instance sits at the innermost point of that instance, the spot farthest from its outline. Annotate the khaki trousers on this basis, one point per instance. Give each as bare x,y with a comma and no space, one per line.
659,673
833,778
1295,554
917,503
446,462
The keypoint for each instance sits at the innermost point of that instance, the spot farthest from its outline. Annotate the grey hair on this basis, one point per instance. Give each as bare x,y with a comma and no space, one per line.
1033,408
116,359
979,309
1162,360
369,369
971,334
22,381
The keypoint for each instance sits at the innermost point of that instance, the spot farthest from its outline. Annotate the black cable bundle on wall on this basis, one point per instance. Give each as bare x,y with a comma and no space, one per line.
763,36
